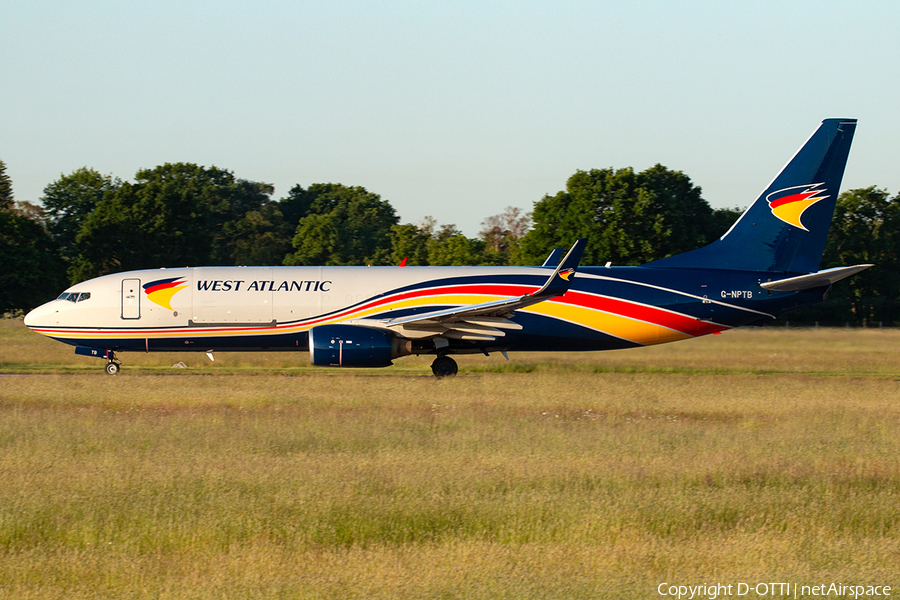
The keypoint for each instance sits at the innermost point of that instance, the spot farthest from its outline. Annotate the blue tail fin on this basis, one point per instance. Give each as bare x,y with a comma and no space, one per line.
785,229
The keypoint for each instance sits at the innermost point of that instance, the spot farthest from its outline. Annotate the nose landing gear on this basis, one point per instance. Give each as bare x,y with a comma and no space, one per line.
113,364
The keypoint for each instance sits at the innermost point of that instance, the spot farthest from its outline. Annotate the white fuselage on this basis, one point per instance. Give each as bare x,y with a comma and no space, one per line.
167,309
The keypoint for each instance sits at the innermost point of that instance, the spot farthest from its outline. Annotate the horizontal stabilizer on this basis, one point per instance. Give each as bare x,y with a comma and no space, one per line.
813,280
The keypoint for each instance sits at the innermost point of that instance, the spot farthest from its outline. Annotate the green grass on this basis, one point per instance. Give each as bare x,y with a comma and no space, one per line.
756,455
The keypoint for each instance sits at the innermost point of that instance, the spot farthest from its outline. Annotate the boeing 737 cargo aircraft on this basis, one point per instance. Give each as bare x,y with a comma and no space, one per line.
766,264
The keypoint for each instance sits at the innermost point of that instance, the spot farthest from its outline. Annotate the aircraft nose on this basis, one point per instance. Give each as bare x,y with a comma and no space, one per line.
37,317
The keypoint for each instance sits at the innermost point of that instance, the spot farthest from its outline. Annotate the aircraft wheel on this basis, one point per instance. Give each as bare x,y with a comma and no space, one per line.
444,366
112,368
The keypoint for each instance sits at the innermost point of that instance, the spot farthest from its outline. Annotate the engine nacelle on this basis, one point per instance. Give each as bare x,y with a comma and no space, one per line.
350,346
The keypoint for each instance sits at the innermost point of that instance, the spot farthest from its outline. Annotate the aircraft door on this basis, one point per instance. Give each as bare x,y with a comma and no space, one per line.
131,298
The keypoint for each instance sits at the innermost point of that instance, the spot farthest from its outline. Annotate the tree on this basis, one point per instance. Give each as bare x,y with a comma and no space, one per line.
260,237
70,199
502,235
30,210
724,218
22,208
341,226
249,226
32,271
409,242
6,193
298,203
629,218
865,229
448,246
428,244
175,214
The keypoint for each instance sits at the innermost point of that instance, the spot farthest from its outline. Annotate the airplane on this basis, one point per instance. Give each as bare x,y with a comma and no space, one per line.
766,264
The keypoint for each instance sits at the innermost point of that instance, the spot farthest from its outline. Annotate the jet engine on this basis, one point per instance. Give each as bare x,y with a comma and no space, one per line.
354,346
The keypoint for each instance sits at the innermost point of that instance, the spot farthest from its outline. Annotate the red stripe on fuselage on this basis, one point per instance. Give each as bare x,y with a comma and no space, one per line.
163,286
641,312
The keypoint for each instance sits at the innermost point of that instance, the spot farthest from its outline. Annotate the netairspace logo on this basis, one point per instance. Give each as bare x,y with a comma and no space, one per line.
712,591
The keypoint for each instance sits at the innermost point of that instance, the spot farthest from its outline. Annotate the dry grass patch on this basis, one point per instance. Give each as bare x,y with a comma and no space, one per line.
564,482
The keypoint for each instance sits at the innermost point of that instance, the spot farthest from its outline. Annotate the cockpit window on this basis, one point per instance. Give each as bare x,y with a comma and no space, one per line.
74,296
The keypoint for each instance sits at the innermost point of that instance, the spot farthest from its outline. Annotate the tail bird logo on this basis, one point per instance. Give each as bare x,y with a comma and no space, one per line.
790,203
161,291
566,273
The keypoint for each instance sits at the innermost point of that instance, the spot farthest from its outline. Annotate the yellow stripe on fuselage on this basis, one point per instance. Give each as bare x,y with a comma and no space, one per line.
626,328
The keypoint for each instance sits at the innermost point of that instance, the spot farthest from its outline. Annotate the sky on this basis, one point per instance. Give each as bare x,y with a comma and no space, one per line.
450,109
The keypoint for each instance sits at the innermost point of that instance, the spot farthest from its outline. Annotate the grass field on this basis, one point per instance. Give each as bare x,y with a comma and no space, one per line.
762,455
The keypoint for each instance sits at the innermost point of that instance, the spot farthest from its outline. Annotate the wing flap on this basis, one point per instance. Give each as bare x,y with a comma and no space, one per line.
464,327
498,322
413,333
469,337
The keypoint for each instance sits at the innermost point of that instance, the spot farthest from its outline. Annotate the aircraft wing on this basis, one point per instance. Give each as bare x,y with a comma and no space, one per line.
488,320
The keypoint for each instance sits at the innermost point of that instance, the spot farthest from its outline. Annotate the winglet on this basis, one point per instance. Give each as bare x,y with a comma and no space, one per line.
554,257
558,283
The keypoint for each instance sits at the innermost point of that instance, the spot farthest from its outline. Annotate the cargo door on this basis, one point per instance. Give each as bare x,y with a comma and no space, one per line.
131,298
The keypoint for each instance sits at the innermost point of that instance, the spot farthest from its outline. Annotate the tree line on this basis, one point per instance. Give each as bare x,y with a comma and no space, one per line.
180,214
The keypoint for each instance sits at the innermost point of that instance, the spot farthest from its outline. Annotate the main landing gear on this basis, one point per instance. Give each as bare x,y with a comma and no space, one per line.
444,366
112,367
